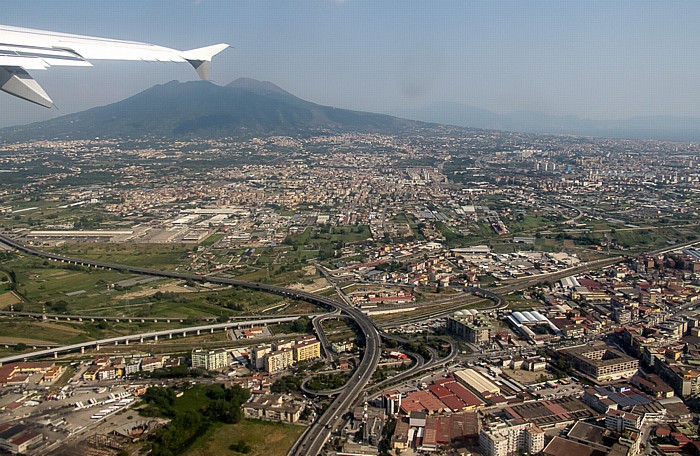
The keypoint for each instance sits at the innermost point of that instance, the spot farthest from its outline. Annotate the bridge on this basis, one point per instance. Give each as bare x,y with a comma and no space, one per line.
140,338
315,437
92,318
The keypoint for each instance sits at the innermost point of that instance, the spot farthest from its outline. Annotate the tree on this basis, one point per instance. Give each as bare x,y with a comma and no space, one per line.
301,324
240,447
58,306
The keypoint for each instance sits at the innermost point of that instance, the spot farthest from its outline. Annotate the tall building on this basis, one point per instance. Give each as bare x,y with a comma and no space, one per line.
504,440
279,360
209,359
470,326
308,349
259,353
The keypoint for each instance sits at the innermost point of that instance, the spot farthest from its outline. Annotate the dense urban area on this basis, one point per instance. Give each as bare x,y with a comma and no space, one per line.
448,291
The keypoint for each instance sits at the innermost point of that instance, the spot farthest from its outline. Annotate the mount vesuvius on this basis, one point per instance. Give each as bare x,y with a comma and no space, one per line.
243,108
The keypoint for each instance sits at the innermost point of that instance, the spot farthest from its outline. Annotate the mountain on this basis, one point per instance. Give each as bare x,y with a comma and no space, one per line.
243,108
650,127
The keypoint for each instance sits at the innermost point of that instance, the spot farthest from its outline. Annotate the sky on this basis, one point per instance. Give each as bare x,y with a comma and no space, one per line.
594,59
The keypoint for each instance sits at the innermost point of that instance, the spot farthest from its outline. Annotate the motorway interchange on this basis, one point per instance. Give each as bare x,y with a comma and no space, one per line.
316,436
319,433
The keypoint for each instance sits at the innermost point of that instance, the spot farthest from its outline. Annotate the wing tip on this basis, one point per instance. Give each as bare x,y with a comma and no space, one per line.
200,58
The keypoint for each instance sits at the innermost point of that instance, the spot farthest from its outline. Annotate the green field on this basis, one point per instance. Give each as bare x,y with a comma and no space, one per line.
156,256
265,439
529,223
211,240
61,288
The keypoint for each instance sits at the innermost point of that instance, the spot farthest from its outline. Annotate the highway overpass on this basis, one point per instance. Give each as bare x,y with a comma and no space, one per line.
140,338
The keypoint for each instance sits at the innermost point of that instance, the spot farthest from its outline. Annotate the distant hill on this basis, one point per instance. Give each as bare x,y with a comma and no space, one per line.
243,108
674,128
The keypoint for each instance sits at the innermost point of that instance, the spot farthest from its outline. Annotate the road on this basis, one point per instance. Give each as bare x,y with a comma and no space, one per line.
141,337
317,434
75,317
435,361
318,329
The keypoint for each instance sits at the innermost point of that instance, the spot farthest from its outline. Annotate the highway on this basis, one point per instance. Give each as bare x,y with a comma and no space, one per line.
141,337
316,435
435,361
81,317
318,329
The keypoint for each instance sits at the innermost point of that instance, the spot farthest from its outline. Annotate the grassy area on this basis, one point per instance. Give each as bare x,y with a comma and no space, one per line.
156,256
193,399
48,284
523,305
528,223
66,377
87,291
20,328
7,298
264,438
211,240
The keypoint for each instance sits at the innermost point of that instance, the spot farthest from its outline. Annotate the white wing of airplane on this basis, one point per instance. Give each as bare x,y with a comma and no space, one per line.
24,49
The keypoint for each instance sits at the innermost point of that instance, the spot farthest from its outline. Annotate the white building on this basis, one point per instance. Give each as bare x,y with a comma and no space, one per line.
259,353
617,420
504,440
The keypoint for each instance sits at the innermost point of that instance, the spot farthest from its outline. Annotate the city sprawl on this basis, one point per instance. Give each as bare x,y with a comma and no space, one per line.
446,291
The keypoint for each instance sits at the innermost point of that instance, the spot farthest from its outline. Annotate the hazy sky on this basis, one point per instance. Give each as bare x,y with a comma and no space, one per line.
599,59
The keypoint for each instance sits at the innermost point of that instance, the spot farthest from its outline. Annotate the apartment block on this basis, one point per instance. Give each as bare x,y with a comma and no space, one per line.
309,349
504,440
278,361
209,359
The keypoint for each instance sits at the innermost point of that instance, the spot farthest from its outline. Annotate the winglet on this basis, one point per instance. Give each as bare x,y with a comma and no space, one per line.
16,81
200,58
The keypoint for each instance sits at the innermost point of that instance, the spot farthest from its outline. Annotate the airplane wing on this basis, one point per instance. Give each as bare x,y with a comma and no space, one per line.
24,49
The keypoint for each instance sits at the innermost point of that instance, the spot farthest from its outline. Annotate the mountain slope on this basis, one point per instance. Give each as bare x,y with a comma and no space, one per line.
244,108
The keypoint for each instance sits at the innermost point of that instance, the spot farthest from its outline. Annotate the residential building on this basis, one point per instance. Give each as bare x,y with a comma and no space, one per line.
472,327
133,366
259,353
505,440
151,363
209,359
278,361
306,350
618,421
273,407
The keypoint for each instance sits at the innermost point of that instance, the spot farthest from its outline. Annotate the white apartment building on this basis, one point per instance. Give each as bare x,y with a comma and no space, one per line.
504,440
